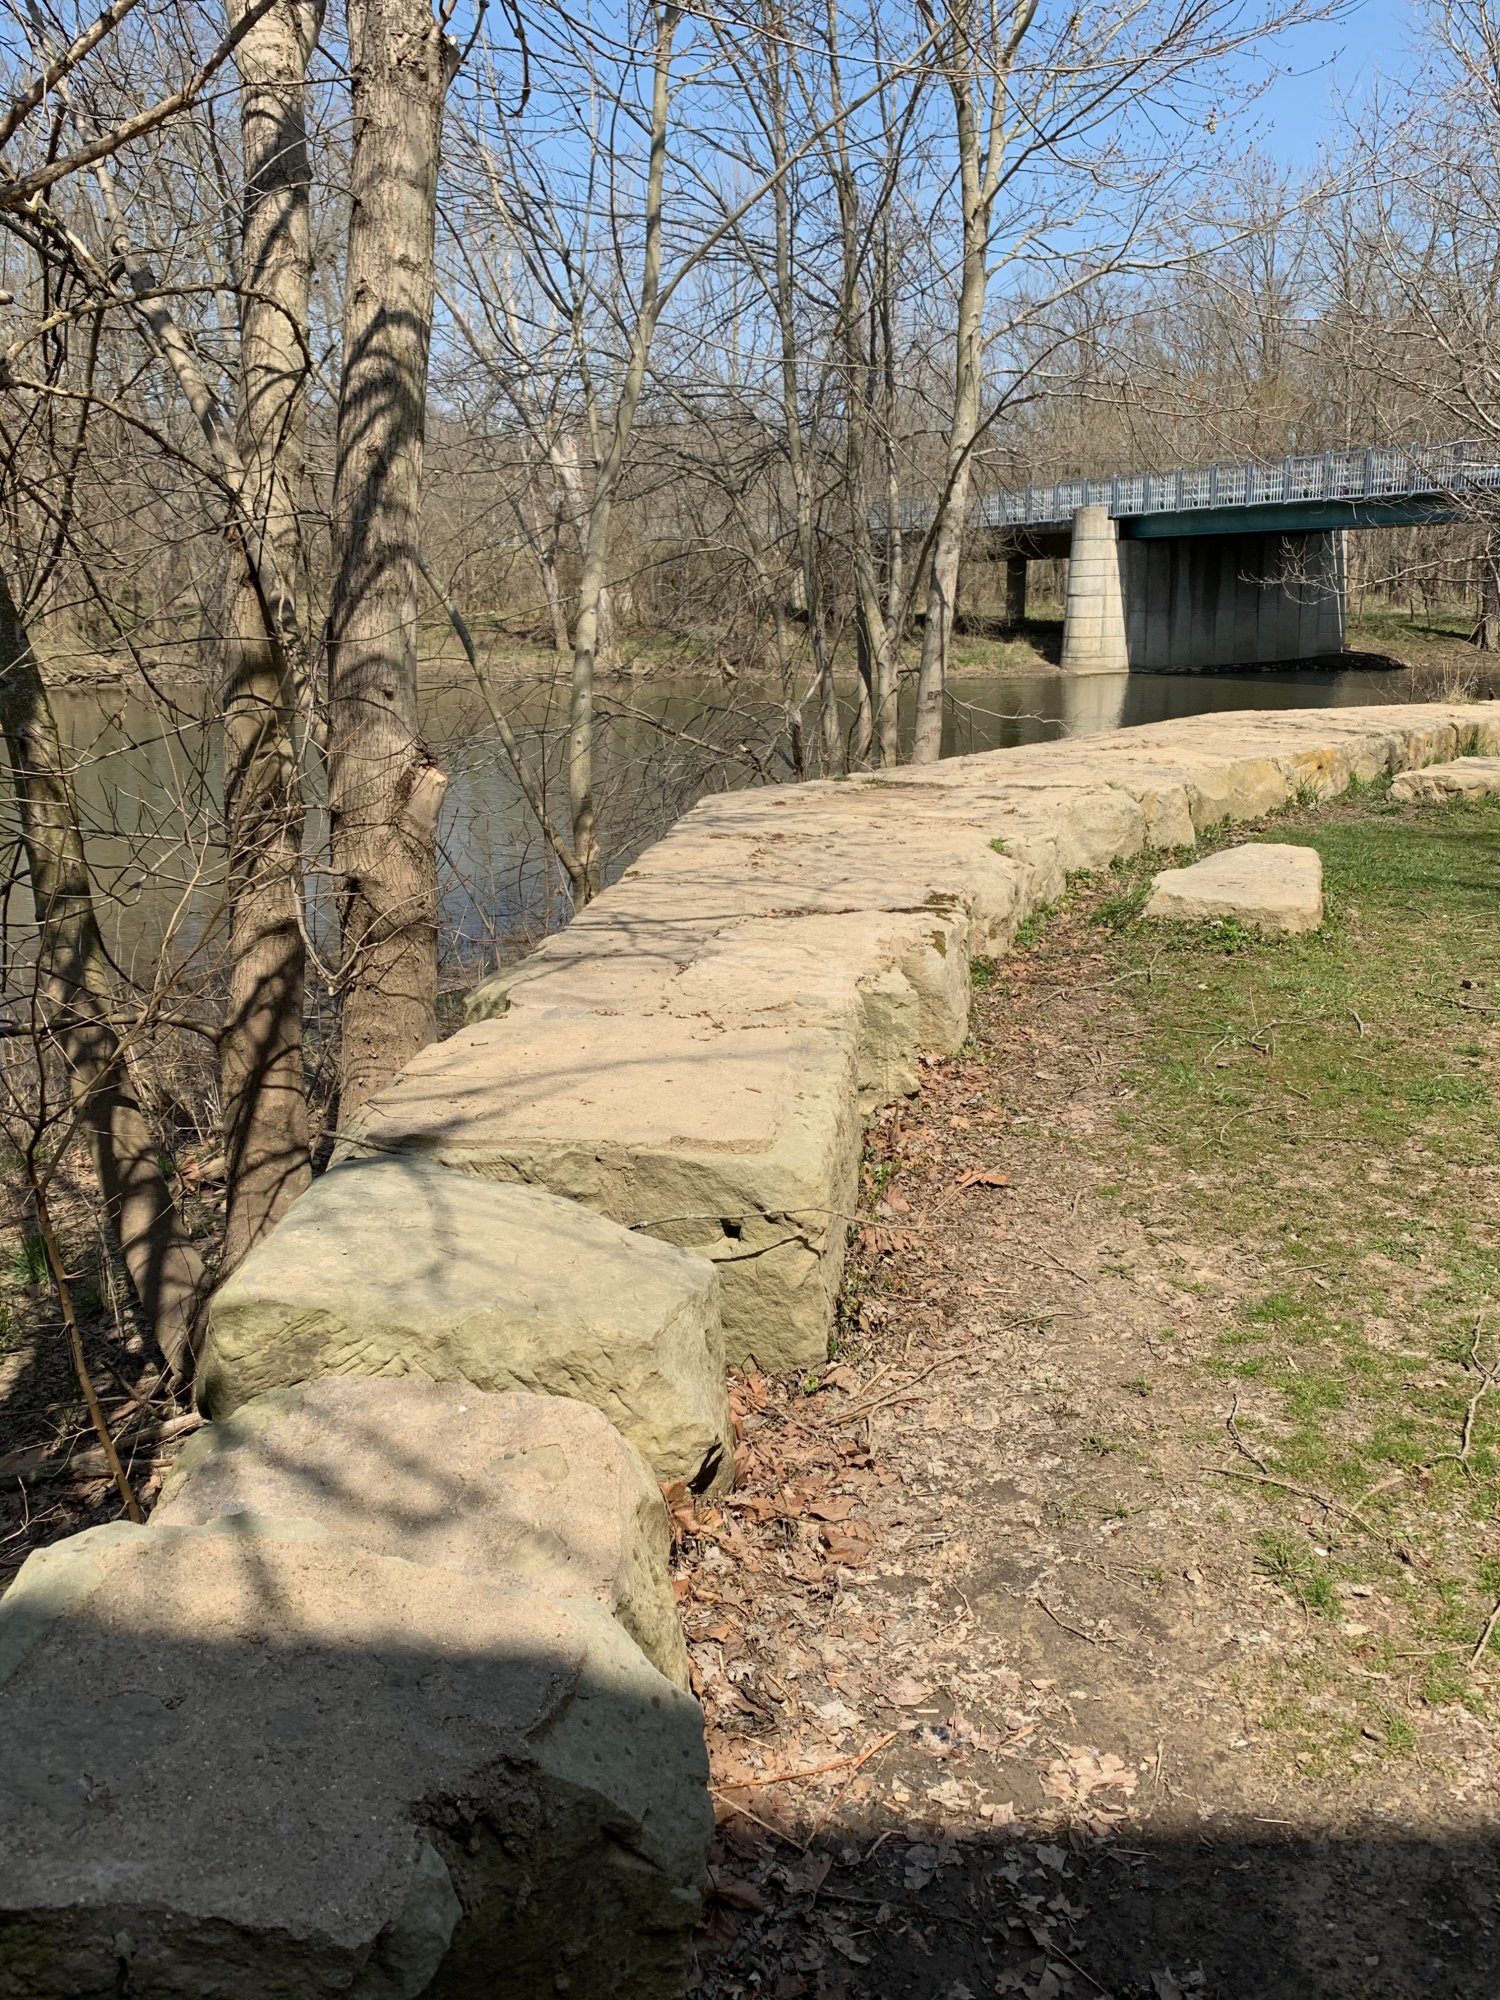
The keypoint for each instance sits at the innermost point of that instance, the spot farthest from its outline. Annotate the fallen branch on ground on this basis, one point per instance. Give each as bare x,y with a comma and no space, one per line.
797,1777
90,1463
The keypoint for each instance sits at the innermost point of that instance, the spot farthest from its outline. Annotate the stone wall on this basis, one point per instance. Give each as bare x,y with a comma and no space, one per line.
391,1693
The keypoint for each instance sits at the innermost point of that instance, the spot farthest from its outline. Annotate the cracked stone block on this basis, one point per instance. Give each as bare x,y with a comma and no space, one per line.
740,1143
1464,778
899,983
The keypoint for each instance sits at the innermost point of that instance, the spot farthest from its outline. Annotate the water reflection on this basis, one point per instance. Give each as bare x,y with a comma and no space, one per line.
147,777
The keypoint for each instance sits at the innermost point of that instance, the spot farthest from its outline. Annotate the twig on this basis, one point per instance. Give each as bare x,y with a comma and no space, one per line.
838,1798
75,1341
1485,1636
733,1805
894,1395
1286,1486
1477,1398
785,1777
88,1464
1057,1951
1235,1438
1062,1624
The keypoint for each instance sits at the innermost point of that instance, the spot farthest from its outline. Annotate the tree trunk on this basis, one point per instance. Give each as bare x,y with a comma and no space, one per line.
596,546
75,996
260,1045
543,533
888,639
979,161
830,735
942,586
384,788
1487,631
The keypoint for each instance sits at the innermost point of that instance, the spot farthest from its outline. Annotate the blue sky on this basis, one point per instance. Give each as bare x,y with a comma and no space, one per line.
1334,62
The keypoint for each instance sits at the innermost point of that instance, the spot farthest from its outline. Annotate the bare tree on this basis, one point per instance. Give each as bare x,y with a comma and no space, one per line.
78,1007
260,1044
385,790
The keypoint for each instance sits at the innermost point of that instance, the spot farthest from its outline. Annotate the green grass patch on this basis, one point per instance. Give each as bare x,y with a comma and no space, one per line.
1329,1102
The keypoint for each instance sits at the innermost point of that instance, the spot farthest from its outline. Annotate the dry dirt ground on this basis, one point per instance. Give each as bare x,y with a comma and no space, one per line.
1029,1665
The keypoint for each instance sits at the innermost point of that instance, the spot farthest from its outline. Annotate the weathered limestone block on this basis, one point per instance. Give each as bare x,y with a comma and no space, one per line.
1088,825
861,845
740,1143
1155,806
1464,778
257,1764
1182,787
899,983
399,1267
447,1476
1278,889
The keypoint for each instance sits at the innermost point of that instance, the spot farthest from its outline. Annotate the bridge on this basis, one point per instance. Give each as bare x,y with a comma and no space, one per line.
1221,565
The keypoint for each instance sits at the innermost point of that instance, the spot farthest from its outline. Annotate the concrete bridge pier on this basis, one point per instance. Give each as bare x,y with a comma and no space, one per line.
1094,618
1015,592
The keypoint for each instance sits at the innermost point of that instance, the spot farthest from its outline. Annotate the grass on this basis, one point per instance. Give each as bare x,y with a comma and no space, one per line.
1329,1103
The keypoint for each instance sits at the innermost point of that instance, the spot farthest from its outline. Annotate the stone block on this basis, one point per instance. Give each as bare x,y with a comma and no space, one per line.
271,1765
899,983
740,1143
399,1267
450,1477
1278,889
860,846
1464,778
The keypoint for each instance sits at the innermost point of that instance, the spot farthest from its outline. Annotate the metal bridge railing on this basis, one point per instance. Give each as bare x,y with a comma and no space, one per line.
1381,472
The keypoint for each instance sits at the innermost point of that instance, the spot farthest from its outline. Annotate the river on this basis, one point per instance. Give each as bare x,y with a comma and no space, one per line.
147,780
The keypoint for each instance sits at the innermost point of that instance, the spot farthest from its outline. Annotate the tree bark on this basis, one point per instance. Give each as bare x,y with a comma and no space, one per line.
76,1000
889,635
385,790
830,735
260,1045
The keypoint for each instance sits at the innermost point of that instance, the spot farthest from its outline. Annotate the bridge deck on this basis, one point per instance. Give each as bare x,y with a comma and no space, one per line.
1371,487
1378,473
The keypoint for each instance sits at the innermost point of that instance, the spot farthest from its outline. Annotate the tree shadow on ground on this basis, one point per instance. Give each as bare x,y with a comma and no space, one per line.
1221,1912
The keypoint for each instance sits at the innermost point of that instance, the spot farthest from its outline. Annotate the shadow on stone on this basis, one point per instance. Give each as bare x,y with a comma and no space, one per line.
250,1760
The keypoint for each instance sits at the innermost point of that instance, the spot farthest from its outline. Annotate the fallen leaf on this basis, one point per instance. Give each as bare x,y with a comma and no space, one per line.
849,1550
983,1177
847,1948
735,1891
907,1692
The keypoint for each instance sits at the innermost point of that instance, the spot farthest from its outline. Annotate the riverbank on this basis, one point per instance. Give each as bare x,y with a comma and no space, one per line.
1115,1614
1438,654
